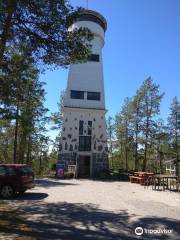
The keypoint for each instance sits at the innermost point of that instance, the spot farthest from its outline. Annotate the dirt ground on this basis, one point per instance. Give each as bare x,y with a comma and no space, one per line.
90,210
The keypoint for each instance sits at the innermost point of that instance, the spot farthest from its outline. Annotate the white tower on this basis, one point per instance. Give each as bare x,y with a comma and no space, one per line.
83,139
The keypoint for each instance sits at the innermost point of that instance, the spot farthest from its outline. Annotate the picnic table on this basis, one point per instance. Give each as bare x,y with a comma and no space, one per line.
164,181
141,177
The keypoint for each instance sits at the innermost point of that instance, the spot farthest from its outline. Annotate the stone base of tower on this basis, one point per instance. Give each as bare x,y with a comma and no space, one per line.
91,165
100,164
67,159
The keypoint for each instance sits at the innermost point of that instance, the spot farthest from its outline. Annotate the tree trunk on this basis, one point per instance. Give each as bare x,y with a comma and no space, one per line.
160,156
145,158
136,137
112,160
136,150
177,156
16,133
40,162
160,162
126,147
146,135
146,145
6,152
126,157
121,151
22,148
29,149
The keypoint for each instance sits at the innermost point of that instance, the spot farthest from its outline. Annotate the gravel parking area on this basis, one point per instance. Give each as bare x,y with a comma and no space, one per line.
91,210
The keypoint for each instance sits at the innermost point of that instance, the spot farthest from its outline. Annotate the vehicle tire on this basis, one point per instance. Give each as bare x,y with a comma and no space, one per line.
7,191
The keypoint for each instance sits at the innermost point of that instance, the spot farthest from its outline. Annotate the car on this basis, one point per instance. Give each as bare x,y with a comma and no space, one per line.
15,178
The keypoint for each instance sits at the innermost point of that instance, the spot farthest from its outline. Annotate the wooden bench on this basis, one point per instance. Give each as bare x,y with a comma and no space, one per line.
134,179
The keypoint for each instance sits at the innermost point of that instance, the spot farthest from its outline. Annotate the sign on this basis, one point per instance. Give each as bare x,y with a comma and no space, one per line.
60,170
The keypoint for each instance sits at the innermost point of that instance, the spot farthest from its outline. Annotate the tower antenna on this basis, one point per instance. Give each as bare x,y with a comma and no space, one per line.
87,4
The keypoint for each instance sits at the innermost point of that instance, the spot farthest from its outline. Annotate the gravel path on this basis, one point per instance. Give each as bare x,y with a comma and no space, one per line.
91,210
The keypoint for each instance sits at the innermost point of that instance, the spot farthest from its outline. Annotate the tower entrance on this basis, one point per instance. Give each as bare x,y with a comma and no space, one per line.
84,166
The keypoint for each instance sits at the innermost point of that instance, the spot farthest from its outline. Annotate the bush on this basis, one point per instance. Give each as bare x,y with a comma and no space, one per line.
103,174
53,167
68,175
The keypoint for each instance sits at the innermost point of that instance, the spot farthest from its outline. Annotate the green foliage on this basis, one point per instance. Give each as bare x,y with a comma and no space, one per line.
33,34
174,131
124,131
68,175
43,26
57,117
22,113
151,108
6,141
135,127
53,167
143,141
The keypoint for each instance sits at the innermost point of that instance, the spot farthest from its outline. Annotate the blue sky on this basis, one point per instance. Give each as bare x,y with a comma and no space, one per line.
142,39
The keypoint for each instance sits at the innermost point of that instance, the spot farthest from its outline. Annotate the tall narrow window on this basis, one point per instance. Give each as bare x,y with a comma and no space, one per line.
89,127
85,143
66,146
81,126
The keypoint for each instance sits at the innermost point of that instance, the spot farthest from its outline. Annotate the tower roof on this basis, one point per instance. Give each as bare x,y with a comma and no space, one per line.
92,16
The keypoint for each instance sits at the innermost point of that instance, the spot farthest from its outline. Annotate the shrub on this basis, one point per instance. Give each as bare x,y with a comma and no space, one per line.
68,175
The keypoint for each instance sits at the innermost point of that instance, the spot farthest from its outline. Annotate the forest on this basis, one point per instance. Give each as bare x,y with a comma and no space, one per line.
139,139
34,36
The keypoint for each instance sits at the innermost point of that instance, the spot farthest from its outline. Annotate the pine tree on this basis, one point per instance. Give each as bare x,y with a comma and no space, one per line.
160,142
150,109
174,129
43,26
136,121
57,123
6,141
123,129
21,102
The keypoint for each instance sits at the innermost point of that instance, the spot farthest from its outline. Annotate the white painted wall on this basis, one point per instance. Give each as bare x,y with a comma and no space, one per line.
87,76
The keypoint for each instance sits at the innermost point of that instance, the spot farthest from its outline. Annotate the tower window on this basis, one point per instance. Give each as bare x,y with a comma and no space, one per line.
66,146
81,124
89,127
94,58
77,94
84,143
93,96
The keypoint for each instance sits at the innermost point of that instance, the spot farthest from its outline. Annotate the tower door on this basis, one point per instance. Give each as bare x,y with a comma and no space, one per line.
84,166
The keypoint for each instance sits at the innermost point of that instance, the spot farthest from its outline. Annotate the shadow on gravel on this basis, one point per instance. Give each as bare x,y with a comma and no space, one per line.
30,196
26,196
67,221
47,183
